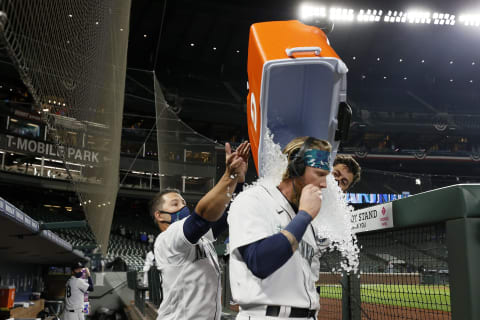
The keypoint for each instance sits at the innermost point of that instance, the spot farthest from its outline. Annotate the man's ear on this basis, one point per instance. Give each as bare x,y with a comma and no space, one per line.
158,217
157,214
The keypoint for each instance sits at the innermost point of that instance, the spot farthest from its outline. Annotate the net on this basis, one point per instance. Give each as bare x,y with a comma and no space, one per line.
403,275
71,55
177,142
186,159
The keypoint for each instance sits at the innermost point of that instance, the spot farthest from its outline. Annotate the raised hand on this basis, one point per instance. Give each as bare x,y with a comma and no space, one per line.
243,151
311,200
237,162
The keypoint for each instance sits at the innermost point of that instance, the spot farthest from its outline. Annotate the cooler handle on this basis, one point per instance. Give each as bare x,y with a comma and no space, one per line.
291,51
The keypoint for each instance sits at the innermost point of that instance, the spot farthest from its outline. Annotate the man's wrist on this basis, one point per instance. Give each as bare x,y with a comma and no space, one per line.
291,238
230,176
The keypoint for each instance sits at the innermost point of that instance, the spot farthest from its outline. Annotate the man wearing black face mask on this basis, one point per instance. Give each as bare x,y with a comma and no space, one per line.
75,291
184,250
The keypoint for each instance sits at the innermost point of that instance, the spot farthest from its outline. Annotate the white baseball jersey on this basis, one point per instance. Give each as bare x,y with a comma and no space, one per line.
255,214
75,290
190,274
149,262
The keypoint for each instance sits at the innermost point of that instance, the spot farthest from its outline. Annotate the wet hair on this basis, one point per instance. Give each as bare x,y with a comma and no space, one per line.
352,166
294,146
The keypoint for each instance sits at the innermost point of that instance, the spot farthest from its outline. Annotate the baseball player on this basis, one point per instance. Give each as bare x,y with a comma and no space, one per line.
149,262
274,259
184,251
346,171
75,290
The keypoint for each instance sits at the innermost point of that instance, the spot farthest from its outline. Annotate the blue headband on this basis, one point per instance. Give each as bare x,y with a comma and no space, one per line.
317,159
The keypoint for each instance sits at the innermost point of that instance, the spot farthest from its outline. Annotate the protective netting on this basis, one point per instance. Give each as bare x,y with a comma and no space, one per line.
71,55
177,142
403,275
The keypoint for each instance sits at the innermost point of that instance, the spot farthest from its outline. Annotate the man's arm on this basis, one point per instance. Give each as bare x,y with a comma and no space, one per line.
310,204
221,224
266,256
213,204
89,279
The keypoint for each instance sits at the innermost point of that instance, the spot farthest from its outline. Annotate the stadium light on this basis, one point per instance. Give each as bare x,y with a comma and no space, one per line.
369,15
470,19
341,14
310,12
417,16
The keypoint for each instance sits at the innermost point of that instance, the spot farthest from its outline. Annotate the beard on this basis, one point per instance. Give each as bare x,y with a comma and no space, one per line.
298,185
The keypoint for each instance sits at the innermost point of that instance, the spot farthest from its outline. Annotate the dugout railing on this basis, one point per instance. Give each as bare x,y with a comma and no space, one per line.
139,290
425,267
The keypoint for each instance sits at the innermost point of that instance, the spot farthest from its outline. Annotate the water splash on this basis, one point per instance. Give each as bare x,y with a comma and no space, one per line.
333,222
274,162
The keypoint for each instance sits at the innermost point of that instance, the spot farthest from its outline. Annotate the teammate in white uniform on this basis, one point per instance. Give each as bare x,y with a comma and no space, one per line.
274,257
184,250
75,290
149,262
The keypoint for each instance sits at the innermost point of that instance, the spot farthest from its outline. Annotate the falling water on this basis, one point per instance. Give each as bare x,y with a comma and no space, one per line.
333,220
274,162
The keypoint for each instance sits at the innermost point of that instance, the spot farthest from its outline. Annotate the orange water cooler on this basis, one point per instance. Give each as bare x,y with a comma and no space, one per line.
297,86
7,297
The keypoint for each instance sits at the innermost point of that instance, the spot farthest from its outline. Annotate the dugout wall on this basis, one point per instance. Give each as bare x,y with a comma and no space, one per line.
425,267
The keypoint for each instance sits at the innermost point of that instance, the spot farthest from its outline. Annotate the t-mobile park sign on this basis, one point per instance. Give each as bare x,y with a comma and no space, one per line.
372,218
40,148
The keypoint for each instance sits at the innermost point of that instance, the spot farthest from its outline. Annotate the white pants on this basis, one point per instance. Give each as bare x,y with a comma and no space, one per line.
244,315
77,315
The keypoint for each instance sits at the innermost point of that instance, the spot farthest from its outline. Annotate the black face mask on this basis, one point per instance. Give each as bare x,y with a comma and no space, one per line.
177,216
78,274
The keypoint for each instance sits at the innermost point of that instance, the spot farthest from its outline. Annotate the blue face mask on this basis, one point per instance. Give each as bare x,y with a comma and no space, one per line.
78,274
179,215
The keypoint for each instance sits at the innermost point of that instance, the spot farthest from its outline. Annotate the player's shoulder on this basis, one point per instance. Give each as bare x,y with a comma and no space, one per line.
74,281
253,191
256,196
172,232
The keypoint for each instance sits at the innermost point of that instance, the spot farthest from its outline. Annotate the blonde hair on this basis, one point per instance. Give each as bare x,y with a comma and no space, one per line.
294,146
